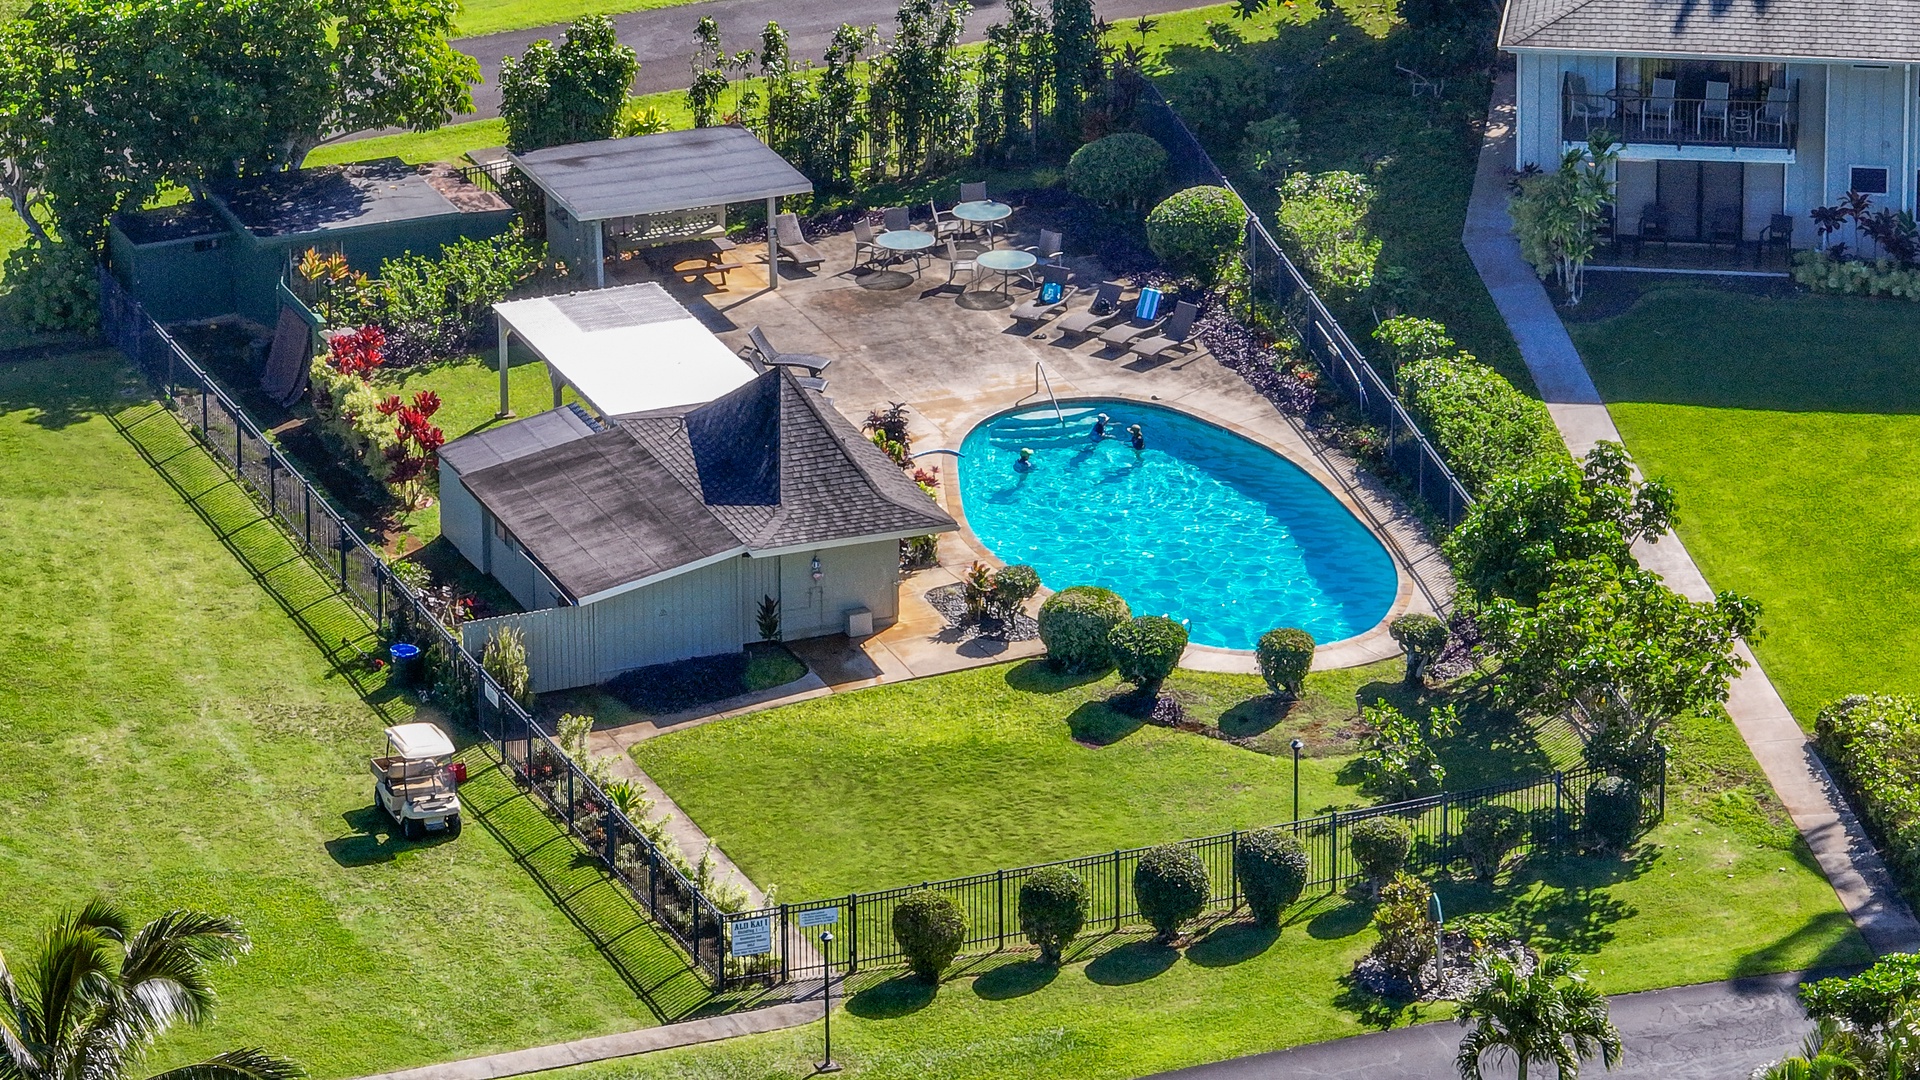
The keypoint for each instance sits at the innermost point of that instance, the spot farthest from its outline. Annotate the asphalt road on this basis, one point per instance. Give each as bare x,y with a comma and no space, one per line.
1713,1031
663,37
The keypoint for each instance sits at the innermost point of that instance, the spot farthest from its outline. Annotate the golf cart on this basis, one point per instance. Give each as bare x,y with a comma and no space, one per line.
414,783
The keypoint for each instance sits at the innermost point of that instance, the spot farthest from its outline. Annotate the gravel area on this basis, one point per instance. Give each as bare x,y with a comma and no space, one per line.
950,601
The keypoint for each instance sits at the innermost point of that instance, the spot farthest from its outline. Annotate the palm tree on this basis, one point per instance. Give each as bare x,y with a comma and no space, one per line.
96,994
1551,1017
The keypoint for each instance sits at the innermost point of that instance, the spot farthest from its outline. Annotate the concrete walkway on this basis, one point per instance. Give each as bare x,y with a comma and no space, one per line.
1844,852
1712,1031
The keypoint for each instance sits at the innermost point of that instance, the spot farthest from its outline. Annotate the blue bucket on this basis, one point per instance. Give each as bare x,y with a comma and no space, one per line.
404,656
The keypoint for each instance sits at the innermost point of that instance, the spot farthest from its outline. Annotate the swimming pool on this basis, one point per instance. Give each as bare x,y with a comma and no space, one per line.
1202,524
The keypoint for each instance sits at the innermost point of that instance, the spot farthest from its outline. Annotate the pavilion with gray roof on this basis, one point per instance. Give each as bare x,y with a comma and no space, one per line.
672,186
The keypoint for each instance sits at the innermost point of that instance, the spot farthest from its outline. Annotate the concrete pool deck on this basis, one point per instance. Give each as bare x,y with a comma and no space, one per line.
954,367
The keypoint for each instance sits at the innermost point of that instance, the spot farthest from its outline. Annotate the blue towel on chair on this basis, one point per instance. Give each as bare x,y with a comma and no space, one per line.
1149,305
1050,292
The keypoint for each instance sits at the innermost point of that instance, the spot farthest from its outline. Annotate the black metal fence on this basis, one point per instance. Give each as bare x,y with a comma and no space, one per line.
1276,281
395,612
862,923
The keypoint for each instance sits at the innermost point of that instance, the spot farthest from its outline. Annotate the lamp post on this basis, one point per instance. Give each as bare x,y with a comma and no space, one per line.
826,1000
1297,747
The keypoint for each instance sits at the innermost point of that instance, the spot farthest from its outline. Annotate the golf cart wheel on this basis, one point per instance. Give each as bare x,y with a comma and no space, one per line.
413,828
453,826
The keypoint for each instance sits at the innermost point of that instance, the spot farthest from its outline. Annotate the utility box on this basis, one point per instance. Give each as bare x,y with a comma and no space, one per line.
859,623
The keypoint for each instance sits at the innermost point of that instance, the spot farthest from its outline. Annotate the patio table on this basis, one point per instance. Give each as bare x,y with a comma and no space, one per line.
1006,262
983,212
906,242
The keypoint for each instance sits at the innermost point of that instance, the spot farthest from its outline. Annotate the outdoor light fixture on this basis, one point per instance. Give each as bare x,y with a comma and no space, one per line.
1297,747
817,575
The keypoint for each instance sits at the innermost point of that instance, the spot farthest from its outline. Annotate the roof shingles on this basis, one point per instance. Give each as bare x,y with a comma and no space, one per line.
1885,31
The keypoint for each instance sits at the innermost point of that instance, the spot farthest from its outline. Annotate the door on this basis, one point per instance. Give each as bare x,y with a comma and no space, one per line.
1700,195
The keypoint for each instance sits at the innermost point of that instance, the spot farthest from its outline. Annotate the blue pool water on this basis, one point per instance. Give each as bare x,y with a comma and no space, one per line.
1202,525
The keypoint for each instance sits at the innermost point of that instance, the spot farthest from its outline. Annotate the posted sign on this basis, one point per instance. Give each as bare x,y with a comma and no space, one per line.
825,916
752,937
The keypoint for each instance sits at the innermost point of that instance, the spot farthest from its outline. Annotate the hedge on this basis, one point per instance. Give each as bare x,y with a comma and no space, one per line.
1873,744
1119,170
1823,273
1147,648
1193,231
1481,425
930,928
1272,868
1170,888
1074,626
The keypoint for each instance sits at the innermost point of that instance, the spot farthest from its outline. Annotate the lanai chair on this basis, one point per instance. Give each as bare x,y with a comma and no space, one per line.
974,192
1775,113
1178,333
1146,319
865,251
1104,311
1049,251
958,261
793,244
1723,227
1583,105
1778,235
1037,310
945,226
896,217
1660,107
1713,110
760,355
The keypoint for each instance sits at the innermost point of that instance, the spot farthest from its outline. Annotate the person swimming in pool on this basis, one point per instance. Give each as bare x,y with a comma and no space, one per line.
1139,437
1100,426
1025,464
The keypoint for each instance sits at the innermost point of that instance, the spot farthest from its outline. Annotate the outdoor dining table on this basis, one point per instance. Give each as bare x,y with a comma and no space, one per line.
984,212
906,242
1007,262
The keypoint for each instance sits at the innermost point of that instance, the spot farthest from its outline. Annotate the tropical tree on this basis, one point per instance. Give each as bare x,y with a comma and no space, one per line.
1557,215
574,93
1550,1017
1832,1051
96,994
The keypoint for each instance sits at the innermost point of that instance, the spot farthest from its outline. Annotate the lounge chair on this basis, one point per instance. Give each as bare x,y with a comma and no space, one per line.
1146,318
1038,311
761,355
1105,310
793,245
1178,333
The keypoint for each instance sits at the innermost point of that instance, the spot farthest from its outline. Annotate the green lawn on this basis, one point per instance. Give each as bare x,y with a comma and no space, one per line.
1722,888
1785,423
1010,765
179,739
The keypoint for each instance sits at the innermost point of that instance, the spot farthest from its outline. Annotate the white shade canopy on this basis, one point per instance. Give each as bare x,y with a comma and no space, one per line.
417,741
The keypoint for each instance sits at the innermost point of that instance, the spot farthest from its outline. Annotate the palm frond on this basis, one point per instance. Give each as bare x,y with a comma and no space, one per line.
247,1064
18,1059
164,978
67,980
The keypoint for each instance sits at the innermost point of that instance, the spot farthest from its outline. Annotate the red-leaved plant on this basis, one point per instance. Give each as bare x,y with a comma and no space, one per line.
416,443
359,352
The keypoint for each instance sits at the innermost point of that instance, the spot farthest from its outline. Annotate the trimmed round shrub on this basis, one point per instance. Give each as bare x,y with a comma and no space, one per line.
1381,846
1490,834
1423,637
1145,649
1053,908
1170,888
1613,812
1119,170
1284,656
1193,231
1272,870
929,927
1012,587
1075,623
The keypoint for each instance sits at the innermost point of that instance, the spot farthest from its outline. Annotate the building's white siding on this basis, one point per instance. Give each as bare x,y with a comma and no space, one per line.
462,519
1806,177
701,613
1867,118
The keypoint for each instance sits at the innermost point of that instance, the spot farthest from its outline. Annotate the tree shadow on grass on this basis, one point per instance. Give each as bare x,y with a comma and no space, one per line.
1134,962
1232,943
1255,716
1843,950
893,999
1567,904
1096,723
1038,677
1015,980
1344,919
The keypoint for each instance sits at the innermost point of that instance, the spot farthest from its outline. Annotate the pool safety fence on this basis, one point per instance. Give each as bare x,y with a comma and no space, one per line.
787,942
396,613
1280,284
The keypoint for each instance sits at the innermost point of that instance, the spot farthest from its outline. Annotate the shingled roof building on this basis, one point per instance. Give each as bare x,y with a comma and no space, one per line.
656,536
1737,118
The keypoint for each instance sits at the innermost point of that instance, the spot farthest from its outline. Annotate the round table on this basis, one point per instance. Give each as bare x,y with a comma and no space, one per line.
983,212
1006,262
906,242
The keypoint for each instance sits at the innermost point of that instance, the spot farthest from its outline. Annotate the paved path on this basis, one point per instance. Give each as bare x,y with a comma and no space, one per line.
1712,1031
663,37
1865,888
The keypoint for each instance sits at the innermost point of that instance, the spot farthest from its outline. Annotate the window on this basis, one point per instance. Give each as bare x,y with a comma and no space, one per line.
1867,179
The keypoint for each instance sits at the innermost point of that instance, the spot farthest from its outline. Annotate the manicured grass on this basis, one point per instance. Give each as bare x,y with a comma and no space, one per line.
493,16
1722,888
1783,422
180,739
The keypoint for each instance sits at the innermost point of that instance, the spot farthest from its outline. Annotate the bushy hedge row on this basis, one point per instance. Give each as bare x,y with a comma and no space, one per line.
1873,743
1823,273
1476,419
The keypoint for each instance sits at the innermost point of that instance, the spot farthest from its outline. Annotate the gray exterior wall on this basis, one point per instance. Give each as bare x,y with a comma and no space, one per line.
473,532
702,612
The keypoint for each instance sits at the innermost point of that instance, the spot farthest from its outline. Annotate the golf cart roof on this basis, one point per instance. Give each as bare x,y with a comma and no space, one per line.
419,741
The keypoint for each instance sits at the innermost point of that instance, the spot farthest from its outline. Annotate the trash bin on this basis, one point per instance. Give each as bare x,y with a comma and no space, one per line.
406,658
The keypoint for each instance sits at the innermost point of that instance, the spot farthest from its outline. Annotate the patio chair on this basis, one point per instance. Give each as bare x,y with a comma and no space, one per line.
793,244
1723,227
761,355
1661,106
1038,311
1146,319
1583,105
1778,235
1105,310
1654,221
1178,333
945,226
896,218
865,250
974,192
958,260
1713,110
1775,113
1050,250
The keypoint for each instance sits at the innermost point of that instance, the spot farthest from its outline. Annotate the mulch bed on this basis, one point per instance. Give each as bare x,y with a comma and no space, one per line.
950,601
